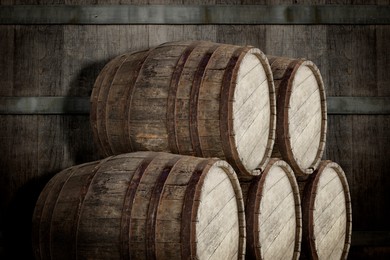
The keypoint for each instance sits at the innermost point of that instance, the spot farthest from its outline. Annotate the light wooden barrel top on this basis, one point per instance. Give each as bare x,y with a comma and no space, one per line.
327,213
273,214
302,116
252,111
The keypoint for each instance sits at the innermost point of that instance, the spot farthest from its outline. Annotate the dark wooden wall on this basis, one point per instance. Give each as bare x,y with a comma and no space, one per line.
64,60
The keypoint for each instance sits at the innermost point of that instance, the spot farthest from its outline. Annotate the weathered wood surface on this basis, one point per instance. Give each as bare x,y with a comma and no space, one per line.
301,113
327,213
273,213
194,98
353,60
143,205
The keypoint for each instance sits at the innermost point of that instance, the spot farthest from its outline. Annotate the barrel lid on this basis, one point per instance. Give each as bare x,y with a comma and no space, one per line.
302,116
327,213
218,211
274,214
252,111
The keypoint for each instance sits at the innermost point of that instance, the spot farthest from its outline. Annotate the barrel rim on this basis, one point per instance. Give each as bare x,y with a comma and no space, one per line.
283,107
256,191
228,169
235,157
310,192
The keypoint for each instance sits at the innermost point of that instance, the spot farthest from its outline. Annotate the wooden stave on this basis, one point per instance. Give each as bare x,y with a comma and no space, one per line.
308,187
284,70
252,193
227,149
189,207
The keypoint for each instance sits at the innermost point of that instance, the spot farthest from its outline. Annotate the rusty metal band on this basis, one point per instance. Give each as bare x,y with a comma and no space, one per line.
308,199
94,103
153,207
125,226
194,14
260,187
110,148
65,105
226,110
62,185
194,96
83,193
187,231
250,210
129,97
41,231
171,106
282,123
102,112
348,207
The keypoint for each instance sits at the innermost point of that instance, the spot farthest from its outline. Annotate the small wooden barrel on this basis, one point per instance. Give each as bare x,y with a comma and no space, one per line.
273,213
301,113
143,205
193,98
327,213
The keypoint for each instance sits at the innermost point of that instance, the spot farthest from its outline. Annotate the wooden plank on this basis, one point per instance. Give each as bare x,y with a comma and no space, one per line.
382,59
195,14
347,47
359,105
21,180
357,143
6,59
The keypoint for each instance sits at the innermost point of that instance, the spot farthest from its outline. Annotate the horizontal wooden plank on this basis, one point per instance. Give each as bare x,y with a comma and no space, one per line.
371,238
358,105
44,105
195,14
81,105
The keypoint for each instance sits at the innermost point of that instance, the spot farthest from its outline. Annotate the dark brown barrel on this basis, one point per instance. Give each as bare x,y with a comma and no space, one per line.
327,213
143,205
273,213
301,113
193,98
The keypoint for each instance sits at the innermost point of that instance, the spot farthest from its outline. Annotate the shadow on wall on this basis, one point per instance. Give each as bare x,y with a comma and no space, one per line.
75,147
18,224
79,133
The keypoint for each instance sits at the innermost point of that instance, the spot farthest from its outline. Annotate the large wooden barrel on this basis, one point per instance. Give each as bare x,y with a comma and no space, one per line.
327,213
142,205
301,113
273,213
193,98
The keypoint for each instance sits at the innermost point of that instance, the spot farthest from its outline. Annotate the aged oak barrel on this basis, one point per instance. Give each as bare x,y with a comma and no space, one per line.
301,113
193,98
273,213
327,213
142,205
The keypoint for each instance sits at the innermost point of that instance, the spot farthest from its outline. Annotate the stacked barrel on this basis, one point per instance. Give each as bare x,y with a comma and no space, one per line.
187,131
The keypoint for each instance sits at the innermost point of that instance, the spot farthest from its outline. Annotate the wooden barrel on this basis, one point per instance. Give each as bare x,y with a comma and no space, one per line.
143,205
327,213
193,98
273,213
301,113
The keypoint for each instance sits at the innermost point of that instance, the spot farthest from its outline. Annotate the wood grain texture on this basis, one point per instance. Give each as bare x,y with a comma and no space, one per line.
142,200
273,213
353,60
327,213
301,113
352,146
197,98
